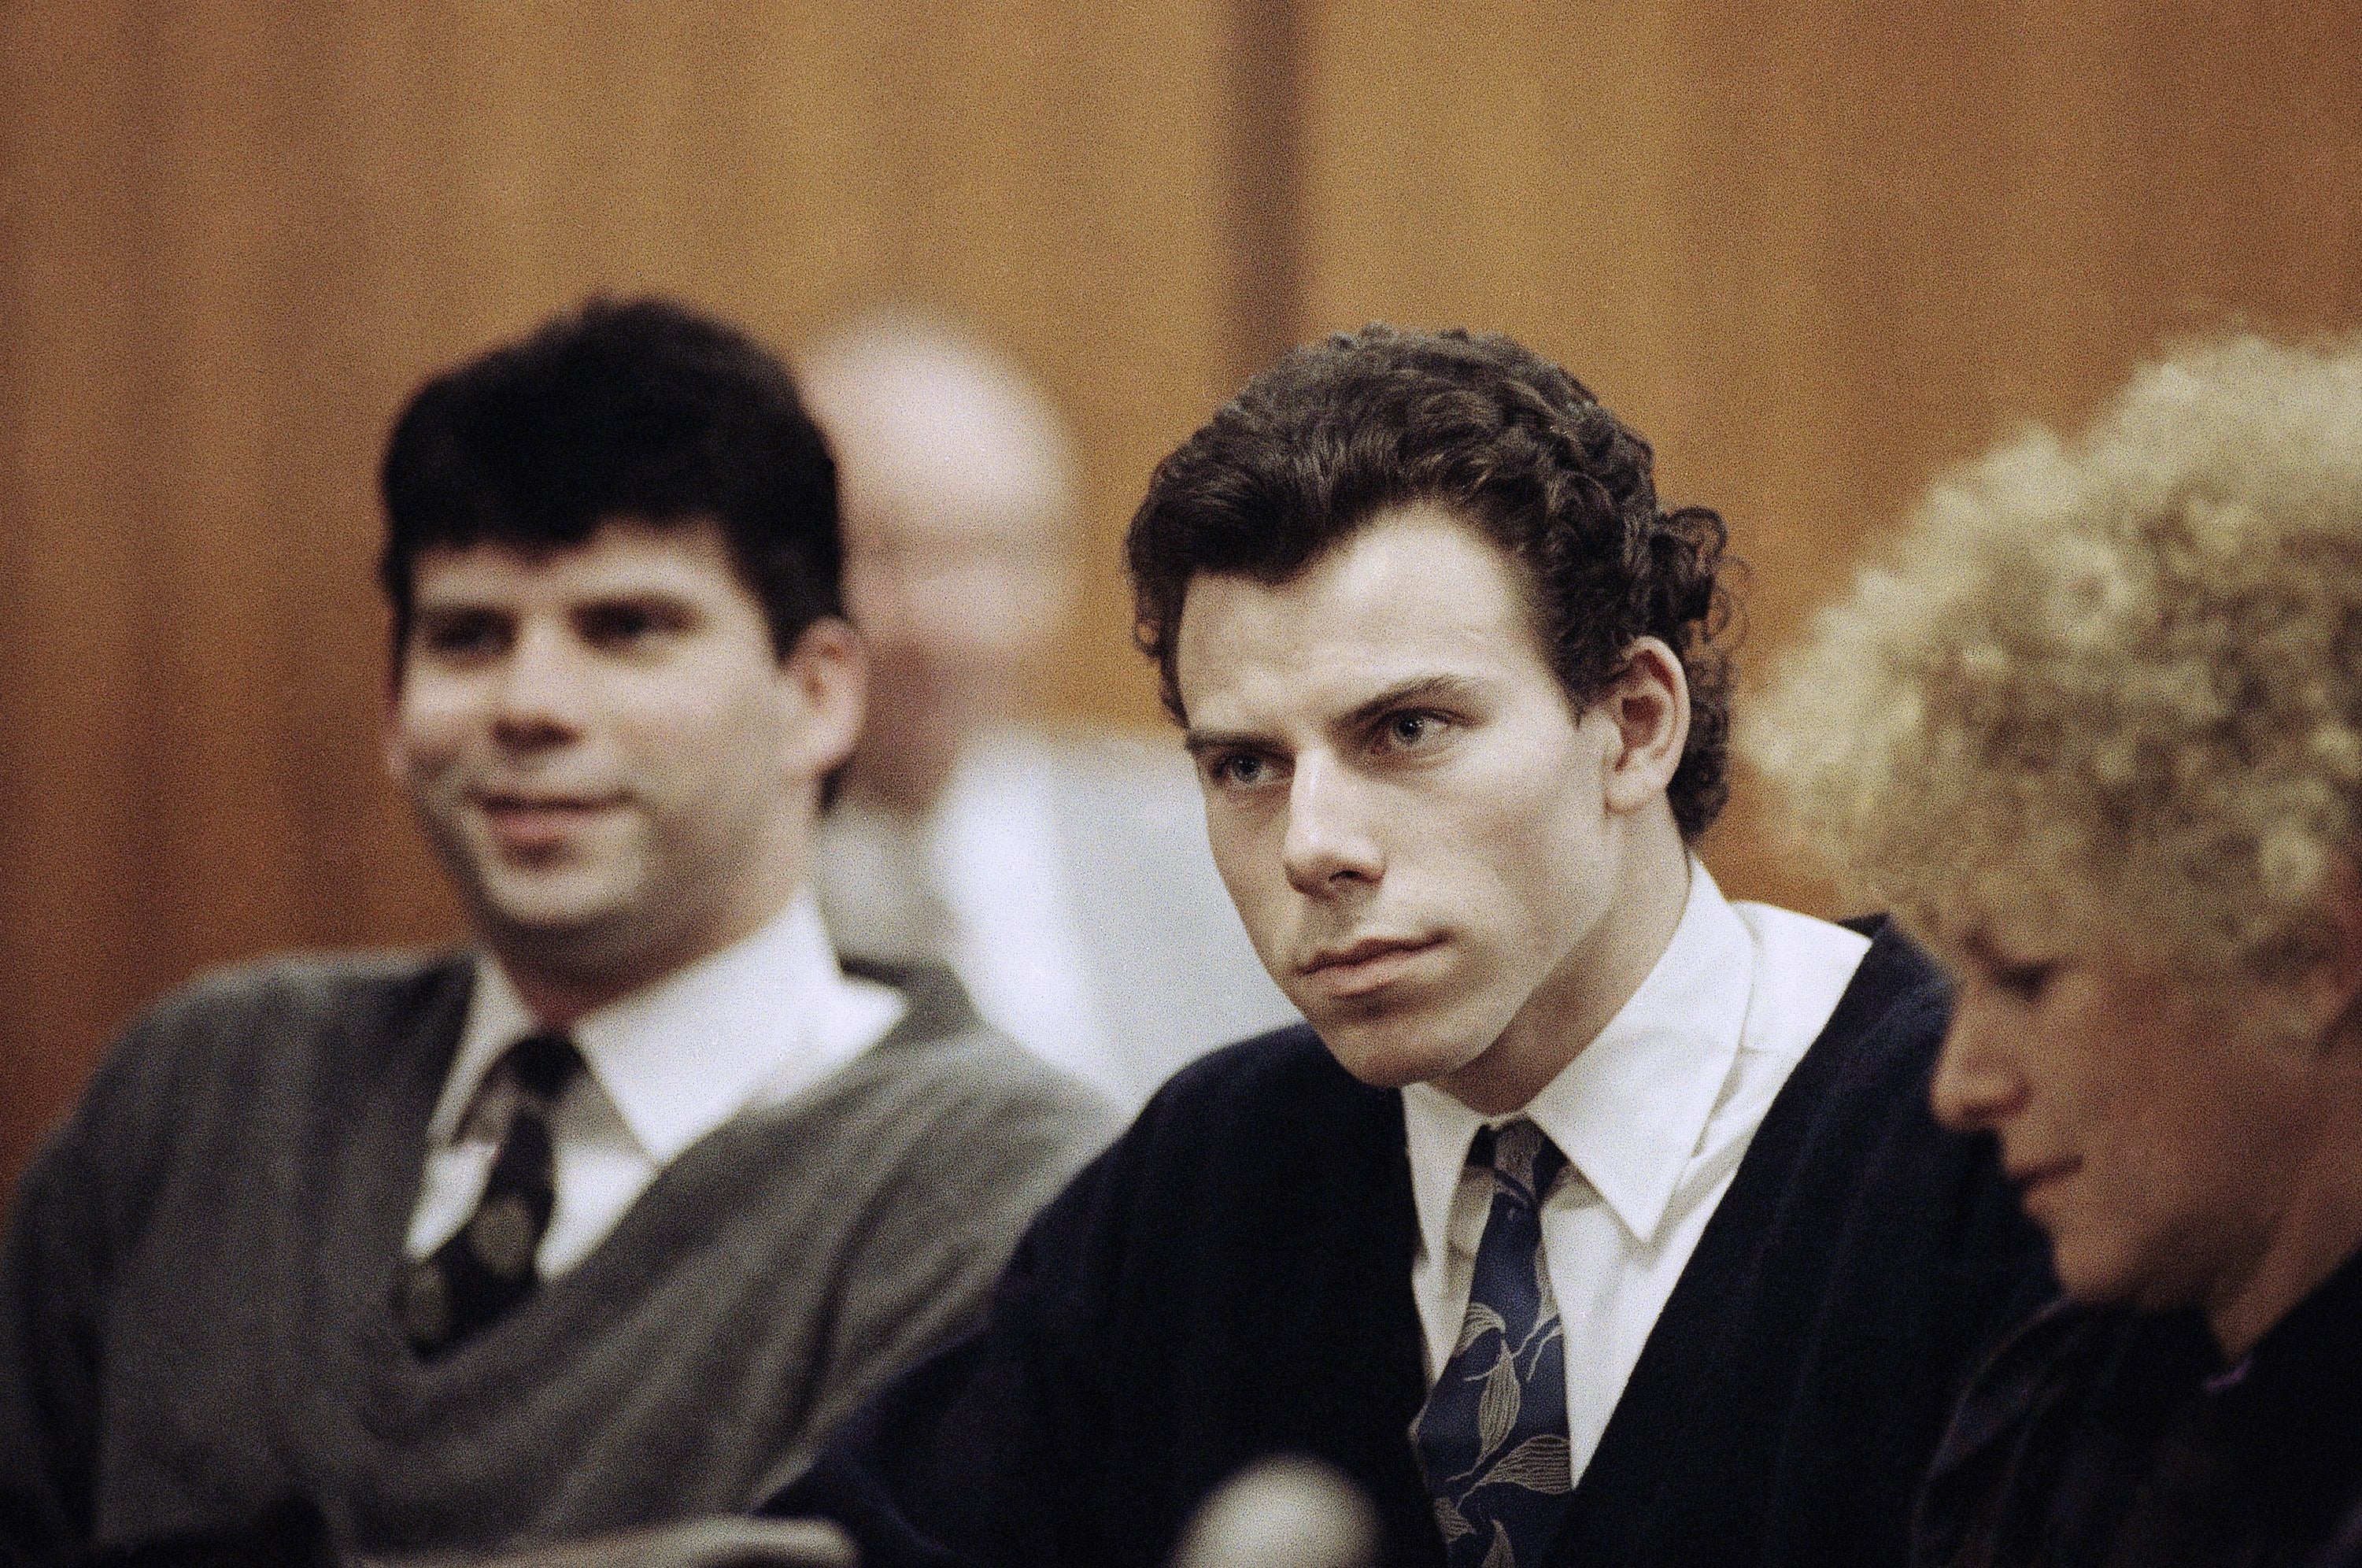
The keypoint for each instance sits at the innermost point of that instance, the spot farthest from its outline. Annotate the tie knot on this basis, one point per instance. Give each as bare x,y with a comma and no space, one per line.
1522,1157
543,1063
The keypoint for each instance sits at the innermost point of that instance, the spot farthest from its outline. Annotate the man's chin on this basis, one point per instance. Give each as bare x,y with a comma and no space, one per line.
582,932
1391,1053
2097,1271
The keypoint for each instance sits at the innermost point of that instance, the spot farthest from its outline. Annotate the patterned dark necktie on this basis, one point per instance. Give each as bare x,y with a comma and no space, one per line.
487,1267
1492,1441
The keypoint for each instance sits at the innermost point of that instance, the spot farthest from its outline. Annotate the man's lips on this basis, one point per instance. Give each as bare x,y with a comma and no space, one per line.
1369,965
529,823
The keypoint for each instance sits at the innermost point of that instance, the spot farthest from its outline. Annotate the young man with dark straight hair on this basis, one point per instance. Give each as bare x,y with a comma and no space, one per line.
608,1218
1593,1219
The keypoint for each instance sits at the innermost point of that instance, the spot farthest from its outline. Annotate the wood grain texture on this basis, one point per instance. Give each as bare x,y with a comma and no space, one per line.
238,233
1816,250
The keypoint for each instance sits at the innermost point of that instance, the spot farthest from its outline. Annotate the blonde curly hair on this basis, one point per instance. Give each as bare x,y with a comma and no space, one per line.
2108,690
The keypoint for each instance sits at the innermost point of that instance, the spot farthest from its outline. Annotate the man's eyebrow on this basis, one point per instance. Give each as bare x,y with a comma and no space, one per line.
1197,742
638,597
1450,690
1445,689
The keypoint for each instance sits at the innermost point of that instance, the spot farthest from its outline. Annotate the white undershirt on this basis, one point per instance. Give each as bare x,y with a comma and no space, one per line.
753,1024
1654,1116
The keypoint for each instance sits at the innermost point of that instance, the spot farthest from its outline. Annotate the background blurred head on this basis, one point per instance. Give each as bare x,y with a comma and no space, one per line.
961,531
2095,732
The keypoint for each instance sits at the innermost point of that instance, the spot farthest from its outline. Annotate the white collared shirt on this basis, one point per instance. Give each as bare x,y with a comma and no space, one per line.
977,883
992,843
1654,1116
753,1024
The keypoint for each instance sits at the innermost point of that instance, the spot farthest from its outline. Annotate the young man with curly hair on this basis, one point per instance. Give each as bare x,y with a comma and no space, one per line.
1593,1219
2096,735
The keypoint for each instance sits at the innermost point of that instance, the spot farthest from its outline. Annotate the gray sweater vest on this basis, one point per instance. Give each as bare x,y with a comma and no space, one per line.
194,1313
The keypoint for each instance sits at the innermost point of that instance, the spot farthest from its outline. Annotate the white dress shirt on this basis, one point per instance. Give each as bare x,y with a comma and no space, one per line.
753,1024
993,845
979,885
1654,1116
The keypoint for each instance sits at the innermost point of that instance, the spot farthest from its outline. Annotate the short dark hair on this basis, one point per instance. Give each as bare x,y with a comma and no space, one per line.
1365,422
637,408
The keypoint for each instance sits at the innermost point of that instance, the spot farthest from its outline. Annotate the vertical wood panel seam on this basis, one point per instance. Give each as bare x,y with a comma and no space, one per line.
1265,88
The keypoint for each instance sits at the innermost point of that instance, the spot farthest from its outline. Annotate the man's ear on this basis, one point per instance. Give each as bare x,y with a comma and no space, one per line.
1648,702
823,690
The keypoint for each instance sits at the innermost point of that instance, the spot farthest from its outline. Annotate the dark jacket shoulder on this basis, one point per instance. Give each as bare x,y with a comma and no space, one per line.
1897,993
1271,1121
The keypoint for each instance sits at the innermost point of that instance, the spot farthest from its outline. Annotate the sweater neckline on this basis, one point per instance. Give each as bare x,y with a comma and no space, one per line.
364,1171
1689,1338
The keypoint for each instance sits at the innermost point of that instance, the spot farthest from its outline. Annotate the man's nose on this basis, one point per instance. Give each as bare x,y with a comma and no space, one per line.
538,693
1330,844
1977,1084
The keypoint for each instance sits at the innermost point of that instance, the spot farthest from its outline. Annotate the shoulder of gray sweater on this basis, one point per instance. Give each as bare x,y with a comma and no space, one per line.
185,1078
293,995
940,1150
940,1026
233,1031
325,983
950,1094
978,1079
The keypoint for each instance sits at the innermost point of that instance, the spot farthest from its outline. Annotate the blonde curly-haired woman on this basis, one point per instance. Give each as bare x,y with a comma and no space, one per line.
2095,732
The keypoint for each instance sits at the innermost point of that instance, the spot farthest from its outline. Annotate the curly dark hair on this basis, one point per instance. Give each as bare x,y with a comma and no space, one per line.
641,408
1366,422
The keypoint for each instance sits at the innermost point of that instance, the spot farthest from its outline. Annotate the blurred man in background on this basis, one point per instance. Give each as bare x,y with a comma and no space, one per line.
1065,880
608,1218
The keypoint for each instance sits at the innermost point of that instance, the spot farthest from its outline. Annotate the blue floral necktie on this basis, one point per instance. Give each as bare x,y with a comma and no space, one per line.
1492,1439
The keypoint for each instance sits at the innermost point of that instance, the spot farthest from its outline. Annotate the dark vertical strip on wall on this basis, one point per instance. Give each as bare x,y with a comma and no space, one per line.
1266,93
26,1095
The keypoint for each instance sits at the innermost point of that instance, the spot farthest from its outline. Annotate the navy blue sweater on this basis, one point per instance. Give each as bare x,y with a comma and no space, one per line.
1233,1280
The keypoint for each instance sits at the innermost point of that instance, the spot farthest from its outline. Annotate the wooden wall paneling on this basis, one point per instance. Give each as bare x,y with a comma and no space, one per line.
1816,251
228,874
237,242
1138,343
1267,251
1081,235
75,815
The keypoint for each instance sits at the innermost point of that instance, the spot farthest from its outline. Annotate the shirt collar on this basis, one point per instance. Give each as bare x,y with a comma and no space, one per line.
1631,1108
759,1019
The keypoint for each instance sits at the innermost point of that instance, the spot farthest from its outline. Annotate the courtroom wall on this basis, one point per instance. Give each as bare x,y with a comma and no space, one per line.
1814,251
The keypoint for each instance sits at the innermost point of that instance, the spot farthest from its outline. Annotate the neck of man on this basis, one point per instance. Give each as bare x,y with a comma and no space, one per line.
904,784
1598,974
559,1001
561,975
